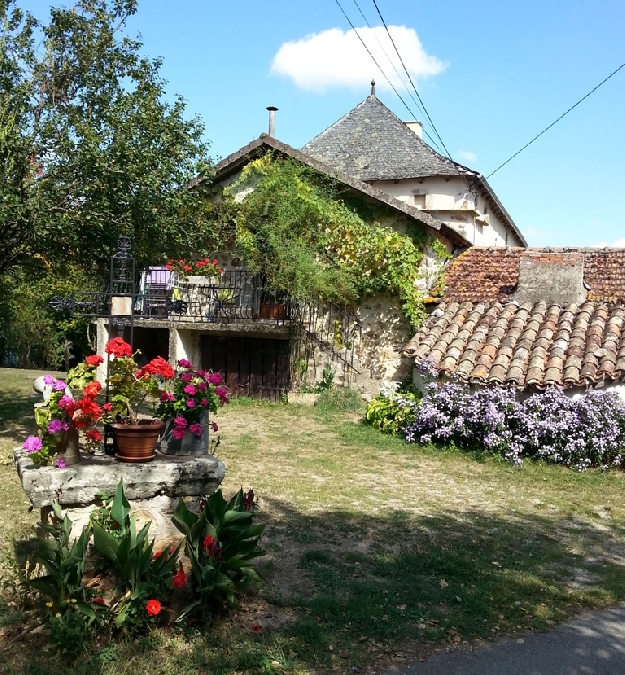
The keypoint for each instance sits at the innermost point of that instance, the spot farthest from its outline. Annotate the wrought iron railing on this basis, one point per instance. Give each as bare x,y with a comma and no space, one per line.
233,296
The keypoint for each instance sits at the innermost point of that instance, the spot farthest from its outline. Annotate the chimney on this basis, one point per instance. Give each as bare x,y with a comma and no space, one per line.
272,120
416,127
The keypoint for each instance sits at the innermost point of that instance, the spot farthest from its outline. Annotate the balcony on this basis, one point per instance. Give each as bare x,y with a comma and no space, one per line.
233,297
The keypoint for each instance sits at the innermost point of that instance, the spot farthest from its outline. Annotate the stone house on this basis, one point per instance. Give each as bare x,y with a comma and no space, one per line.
260,344
529,318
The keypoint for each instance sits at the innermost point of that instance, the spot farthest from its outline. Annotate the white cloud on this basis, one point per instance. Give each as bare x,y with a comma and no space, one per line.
333,58
466,156
619,243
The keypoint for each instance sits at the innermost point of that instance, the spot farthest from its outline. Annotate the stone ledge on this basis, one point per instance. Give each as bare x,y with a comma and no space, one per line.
167,475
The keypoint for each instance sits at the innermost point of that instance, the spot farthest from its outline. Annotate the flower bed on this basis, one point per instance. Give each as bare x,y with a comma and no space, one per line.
137,586
580,432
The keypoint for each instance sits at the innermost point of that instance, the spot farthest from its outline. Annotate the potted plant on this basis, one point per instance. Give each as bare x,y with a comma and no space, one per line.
197,271
68,407
129,387
186,402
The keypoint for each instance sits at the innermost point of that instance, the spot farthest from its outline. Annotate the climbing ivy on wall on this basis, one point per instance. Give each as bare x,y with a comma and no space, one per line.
294,228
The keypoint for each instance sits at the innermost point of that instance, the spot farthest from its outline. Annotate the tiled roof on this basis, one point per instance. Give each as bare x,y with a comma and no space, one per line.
525,345
480,333
481,274
235,162
371,143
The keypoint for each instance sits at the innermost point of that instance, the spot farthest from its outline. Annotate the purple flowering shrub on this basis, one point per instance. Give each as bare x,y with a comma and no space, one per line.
579,432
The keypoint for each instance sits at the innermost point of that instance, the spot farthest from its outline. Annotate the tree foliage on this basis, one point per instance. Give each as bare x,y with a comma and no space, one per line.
89,147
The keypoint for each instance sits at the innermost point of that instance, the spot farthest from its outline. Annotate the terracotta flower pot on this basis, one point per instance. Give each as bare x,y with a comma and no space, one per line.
137,442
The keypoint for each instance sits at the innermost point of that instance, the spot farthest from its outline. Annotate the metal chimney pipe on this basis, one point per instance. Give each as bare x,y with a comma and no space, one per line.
272,120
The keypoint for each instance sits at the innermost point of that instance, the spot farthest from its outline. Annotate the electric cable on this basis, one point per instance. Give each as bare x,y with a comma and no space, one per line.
380,68
388,57
410,78
592,91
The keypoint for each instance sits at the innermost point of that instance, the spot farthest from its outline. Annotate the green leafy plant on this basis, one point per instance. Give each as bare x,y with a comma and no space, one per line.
63,583
298,229
220,542
130,386
324,384
393,410
141,574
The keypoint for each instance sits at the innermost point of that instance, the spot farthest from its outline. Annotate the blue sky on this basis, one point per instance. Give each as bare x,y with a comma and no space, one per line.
492,75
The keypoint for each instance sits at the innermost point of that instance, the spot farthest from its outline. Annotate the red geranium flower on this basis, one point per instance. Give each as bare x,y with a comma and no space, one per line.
118,347
159,367
99,599
153,607
180,579
94,360
158,554
92,389
94,435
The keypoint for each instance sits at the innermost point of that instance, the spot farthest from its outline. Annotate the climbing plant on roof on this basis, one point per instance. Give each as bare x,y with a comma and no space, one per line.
294,226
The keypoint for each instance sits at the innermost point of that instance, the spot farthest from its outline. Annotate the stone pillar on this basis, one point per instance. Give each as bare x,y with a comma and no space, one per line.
102,337
185,344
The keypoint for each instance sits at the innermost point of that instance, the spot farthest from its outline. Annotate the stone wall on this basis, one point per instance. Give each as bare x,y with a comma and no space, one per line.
371,354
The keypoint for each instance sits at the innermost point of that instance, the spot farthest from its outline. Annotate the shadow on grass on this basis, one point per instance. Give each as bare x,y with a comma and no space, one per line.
16,413
345,590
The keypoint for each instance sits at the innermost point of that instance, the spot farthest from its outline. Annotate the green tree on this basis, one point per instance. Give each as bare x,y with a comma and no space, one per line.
89,147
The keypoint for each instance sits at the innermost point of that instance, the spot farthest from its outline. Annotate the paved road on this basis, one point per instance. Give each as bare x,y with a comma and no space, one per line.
594,644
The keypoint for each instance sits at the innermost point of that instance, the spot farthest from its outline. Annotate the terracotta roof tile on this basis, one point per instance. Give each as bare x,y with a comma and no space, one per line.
488,274
525,345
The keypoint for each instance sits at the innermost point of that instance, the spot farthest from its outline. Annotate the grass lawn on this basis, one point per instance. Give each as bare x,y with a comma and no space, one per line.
375,551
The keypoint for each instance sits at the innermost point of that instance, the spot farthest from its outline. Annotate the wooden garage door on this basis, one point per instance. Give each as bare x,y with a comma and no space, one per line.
254,367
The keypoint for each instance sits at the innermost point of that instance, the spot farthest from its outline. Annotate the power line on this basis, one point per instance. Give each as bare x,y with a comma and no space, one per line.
380,67
592,91
410,78
387,56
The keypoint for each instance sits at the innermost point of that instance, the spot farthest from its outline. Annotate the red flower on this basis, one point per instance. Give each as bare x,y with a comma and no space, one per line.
180,579
153,607
257,628
99,599
92,389
158,367
108,407
94,360
89,407
212,547
118,347
94,435
248,499
158,554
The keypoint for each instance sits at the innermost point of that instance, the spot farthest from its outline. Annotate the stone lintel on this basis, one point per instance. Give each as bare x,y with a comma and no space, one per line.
170,476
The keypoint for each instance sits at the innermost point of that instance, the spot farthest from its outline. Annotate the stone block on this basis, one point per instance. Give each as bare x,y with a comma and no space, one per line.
153,489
